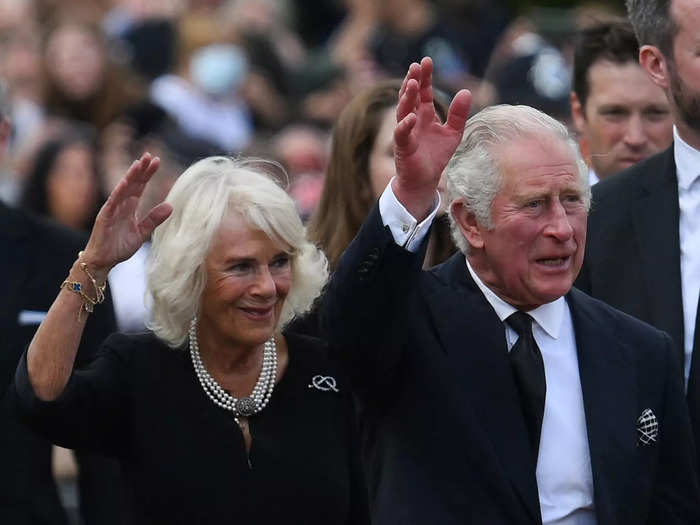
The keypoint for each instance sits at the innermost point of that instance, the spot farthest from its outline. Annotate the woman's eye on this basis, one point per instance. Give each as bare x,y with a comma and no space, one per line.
241,267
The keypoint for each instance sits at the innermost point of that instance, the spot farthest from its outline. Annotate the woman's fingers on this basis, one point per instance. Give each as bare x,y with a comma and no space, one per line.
133,182
154,218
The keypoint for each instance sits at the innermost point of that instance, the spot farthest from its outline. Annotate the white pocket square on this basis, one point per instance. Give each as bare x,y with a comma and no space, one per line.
27,317
647,428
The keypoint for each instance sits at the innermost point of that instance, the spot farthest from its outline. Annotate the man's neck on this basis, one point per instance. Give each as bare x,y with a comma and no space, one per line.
689,135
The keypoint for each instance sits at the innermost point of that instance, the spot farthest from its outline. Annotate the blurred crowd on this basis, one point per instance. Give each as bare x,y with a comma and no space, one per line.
92,84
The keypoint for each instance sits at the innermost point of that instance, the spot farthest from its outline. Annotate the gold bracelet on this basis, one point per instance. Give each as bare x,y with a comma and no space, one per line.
77,287
99,289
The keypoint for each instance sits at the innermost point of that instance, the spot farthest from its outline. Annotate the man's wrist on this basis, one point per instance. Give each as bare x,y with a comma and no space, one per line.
419,201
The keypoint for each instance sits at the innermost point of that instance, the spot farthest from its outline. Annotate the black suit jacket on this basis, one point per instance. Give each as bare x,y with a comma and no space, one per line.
35,256
444,440
632,259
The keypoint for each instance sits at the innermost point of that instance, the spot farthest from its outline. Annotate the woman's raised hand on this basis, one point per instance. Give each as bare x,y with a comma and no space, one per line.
119,231
423,144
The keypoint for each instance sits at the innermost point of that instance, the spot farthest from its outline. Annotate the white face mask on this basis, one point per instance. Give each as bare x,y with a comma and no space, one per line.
218,69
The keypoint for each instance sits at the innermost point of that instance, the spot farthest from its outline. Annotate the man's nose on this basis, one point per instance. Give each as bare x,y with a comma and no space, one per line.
559,225
635,135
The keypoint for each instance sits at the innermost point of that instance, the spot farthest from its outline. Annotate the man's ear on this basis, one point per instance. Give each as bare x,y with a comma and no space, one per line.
468,225
577,113
655,64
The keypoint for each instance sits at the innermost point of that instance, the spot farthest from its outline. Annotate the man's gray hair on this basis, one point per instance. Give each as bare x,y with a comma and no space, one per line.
653,23
474,174
202,197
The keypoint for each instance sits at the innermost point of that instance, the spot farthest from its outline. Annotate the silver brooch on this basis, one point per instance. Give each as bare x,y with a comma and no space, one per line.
324,383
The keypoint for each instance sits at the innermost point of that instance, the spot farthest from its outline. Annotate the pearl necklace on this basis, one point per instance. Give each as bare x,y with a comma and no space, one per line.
243,406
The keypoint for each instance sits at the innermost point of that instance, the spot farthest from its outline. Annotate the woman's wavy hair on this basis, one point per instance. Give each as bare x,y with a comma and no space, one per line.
206,193
347,196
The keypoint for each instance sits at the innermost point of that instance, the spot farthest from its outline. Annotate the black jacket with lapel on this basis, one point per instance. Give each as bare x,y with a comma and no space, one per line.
443,435
632,259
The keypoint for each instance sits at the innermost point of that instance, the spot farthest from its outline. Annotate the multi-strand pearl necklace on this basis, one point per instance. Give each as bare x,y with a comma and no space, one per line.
243,406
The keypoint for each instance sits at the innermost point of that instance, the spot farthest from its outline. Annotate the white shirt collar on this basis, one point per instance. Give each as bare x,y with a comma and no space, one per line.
687,161
548,316
592,177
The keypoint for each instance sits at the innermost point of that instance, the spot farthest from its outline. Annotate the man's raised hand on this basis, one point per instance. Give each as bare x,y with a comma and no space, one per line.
423,144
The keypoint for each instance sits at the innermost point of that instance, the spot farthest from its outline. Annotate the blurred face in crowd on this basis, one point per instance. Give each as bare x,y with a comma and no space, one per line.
75,60
381,159
534,248
625,119
21,62
72,186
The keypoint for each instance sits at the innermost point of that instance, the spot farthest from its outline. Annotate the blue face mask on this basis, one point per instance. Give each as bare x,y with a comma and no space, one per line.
218,69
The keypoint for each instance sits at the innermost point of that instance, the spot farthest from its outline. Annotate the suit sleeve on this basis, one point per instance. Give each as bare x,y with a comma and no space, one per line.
676,496
363,311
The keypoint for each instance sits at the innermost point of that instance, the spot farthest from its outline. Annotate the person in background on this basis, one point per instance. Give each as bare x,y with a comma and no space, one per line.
80,81
63,182
643,247
142,128
35,253
622,117
216,414
360,166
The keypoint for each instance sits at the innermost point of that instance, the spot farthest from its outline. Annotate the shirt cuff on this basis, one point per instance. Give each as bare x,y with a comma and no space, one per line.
405,229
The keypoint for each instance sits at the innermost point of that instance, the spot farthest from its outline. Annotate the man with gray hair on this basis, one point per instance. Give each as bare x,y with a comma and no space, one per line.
489,390
643,249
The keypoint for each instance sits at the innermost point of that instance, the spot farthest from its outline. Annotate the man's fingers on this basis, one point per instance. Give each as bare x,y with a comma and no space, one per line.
402,132
426,80
407,102
459,110
154,218
414,72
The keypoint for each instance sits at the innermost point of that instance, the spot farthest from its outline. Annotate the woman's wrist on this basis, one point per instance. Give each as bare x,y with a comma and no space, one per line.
95,268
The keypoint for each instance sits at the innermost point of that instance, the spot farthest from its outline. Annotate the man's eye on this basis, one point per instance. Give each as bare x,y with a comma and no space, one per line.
241,267
280,262
533,204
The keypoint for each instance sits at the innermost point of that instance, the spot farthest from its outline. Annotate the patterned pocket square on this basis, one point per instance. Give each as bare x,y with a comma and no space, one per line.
647,427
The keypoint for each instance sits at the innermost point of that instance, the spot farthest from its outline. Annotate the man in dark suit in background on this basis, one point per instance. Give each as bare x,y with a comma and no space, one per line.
489,390
621,116
35,256
643,249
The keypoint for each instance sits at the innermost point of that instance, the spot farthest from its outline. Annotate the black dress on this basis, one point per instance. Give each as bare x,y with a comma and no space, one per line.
184,458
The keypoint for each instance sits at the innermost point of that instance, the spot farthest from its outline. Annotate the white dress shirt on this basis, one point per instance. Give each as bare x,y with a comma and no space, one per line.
127,283
564,476
592,177
688,172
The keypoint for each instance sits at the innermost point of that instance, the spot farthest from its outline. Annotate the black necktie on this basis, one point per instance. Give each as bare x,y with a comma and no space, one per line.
528,371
